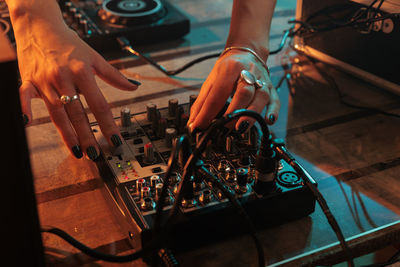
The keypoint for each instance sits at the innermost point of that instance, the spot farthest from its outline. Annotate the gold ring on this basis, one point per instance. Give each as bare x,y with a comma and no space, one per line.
66,99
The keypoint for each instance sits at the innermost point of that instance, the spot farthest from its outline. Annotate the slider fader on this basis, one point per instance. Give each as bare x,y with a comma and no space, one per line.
133,176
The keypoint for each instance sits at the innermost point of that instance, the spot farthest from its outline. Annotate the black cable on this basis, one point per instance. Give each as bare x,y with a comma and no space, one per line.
194,157
235,202
284,154
328,78
180,141
307,27
126,46
286,34
201,145
92,252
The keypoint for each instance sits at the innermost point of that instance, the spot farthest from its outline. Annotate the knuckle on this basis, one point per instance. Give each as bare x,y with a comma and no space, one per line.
245,92
57,73
81,70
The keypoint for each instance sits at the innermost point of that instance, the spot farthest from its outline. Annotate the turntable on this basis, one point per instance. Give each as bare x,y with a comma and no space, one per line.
141,21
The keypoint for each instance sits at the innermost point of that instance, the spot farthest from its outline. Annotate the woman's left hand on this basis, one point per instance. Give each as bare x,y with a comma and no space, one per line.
225,80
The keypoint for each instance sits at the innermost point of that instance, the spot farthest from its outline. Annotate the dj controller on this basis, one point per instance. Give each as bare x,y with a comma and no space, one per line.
134,174
100,22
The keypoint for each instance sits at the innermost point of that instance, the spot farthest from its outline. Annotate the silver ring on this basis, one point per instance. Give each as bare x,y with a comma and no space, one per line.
247,77
66,99
259,84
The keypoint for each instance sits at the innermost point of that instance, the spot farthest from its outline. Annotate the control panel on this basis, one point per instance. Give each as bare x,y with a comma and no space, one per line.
134,177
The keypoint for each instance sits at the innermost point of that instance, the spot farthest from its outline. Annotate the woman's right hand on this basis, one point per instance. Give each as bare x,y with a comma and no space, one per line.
55,62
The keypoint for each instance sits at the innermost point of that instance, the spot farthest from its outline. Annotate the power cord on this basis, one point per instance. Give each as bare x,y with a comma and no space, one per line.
330,80
92,252
126,46
285,155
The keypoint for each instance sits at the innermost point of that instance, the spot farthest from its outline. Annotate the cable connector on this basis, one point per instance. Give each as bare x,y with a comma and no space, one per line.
266,167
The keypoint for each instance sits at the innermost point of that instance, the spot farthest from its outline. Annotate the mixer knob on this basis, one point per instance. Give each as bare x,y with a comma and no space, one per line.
140,183
151,111
231,176
84,27
229,144
158,188
223,165
205,197
145,192
77,18
241,178
154,180
147,204
192,99
125,117
172,107
189,199
170,134
149,153
174,179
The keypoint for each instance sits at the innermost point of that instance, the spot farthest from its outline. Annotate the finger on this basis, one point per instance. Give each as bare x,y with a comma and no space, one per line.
273,107
112,76
242,98
63,125
27,91
194,110
100,108
79,120
214,102
260,100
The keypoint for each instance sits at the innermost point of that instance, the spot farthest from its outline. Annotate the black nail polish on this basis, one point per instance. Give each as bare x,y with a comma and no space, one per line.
91,152
134,82
271,118
25,119
195,131
77,151
116,140
243,127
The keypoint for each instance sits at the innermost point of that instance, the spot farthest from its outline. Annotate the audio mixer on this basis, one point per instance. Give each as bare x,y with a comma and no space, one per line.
133,176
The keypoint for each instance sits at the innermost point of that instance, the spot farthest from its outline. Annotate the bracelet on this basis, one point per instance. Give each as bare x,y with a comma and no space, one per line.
251,51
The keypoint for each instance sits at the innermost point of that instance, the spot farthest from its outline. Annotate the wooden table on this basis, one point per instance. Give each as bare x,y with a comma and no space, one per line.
353,154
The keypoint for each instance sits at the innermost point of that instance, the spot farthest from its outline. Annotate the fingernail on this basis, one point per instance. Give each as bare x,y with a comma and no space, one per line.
116,140
243,127
91,152
77,151
195,131
271,118
25,119
134,82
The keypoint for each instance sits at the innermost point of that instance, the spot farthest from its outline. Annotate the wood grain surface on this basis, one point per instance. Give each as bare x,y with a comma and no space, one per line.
353,154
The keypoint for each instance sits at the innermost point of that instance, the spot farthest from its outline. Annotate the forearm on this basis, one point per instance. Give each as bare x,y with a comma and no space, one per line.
42,16
37,24
250,25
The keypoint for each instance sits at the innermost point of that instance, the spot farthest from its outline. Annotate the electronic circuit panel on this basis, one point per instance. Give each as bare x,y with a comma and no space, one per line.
134,173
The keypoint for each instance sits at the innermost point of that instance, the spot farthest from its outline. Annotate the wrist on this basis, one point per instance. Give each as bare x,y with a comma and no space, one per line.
260,47
25,12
